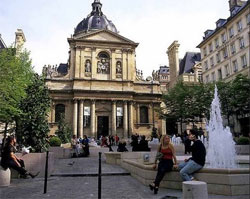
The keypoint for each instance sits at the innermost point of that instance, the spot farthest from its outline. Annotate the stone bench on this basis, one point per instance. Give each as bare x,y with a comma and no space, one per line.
61,152
4,177
194,190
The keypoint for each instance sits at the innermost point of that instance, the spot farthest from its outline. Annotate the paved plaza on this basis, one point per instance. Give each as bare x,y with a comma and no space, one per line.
77,178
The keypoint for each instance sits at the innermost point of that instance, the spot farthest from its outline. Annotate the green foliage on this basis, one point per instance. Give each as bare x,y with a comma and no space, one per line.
55,141
15,75
64,132
243,141
32,127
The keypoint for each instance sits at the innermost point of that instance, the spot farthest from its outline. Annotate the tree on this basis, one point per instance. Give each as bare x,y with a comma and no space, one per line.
15,75
33,127
64,131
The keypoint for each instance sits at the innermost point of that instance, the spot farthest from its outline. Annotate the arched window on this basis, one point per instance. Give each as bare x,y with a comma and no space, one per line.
143,114
59,112
103,63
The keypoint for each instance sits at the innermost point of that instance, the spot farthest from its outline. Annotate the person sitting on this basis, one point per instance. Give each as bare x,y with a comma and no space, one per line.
134,143
10,160
143,144
197,161
85,146
122,146
74,141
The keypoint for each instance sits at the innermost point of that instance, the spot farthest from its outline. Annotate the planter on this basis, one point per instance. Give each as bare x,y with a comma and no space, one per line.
60,152
35,162
4,177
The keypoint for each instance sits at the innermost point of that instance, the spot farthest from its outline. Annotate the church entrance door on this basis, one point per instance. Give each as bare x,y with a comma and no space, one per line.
102,126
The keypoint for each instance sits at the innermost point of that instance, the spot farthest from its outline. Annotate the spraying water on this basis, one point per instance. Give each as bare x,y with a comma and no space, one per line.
221,147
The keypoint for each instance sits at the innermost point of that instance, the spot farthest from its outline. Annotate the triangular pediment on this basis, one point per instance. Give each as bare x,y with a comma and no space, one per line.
106,36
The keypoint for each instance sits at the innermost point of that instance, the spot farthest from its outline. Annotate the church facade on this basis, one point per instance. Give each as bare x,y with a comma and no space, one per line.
100,91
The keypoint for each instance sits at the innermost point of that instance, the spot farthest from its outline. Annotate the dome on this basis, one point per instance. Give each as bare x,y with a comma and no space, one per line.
96,20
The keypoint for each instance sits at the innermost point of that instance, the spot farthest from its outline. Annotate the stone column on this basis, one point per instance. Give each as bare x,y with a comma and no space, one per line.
124,64
125,119
113,117
93,62
131,119
75,117
93,118
113,65
138,113
53,115
81,120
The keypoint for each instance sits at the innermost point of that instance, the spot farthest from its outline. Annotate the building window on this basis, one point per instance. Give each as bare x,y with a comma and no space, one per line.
86,118
206,65
103,63
219,74
119,117
243,61
225,53
143,115
213,77
59,112
235,66
212,61
239,26
218,57
241,41
210,47
248,18
231,32
233,50
205,51
227,70
223,38
207,78
216,43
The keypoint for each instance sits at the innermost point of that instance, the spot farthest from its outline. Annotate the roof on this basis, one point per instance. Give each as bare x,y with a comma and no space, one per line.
235,13
189,60
96,20
62,69
2,44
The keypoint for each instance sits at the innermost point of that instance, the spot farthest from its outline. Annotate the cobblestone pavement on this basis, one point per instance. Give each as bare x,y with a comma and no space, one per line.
117,184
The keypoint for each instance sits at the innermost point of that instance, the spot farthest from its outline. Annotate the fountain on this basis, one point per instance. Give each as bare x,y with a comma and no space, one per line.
221,147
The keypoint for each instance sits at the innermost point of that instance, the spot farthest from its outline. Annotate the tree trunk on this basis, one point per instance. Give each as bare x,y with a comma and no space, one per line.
4,136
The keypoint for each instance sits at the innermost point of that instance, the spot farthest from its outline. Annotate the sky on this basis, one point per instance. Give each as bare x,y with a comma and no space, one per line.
154,24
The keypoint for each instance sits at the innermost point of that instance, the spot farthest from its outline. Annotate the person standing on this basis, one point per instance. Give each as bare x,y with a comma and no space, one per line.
197,161
10,160
166,162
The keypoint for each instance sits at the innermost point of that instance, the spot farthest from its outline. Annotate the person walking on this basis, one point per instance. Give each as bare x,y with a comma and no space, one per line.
10,160
197,161
166,163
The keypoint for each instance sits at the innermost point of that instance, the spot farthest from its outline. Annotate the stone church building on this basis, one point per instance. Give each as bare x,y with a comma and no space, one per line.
99,90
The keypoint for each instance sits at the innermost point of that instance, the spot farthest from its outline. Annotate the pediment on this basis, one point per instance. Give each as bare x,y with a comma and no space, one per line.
106,36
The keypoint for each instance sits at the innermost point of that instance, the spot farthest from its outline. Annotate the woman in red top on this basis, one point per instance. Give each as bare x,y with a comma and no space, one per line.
166,163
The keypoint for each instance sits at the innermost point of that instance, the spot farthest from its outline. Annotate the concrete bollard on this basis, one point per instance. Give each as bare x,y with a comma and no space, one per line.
194,190
4,177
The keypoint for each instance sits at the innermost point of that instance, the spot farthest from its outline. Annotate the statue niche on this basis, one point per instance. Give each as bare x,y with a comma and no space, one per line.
88,66
103,65
118,67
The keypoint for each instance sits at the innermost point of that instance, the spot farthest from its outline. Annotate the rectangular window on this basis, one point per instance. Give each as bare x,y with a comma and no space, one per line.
216,43
219,74
205,51
213,77
86,119
235,66
242,43
206,65
207,78
231,32
119,117
218,57
233,50
223,38
210,47
225,53
212,61
227,70
239,26
243,61
248,18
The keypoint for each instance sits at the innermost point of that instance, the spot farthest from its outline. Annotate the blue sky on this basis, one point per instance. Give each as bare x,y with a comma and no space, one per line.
154,24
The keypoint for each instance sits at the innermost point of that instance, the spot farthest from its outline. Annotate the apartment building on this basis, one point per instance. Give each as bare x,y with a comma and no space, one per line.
225,50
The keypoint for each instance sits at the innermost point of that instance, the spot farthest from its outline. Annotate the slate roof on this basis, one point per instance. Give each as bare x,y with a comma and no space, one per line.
189,60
